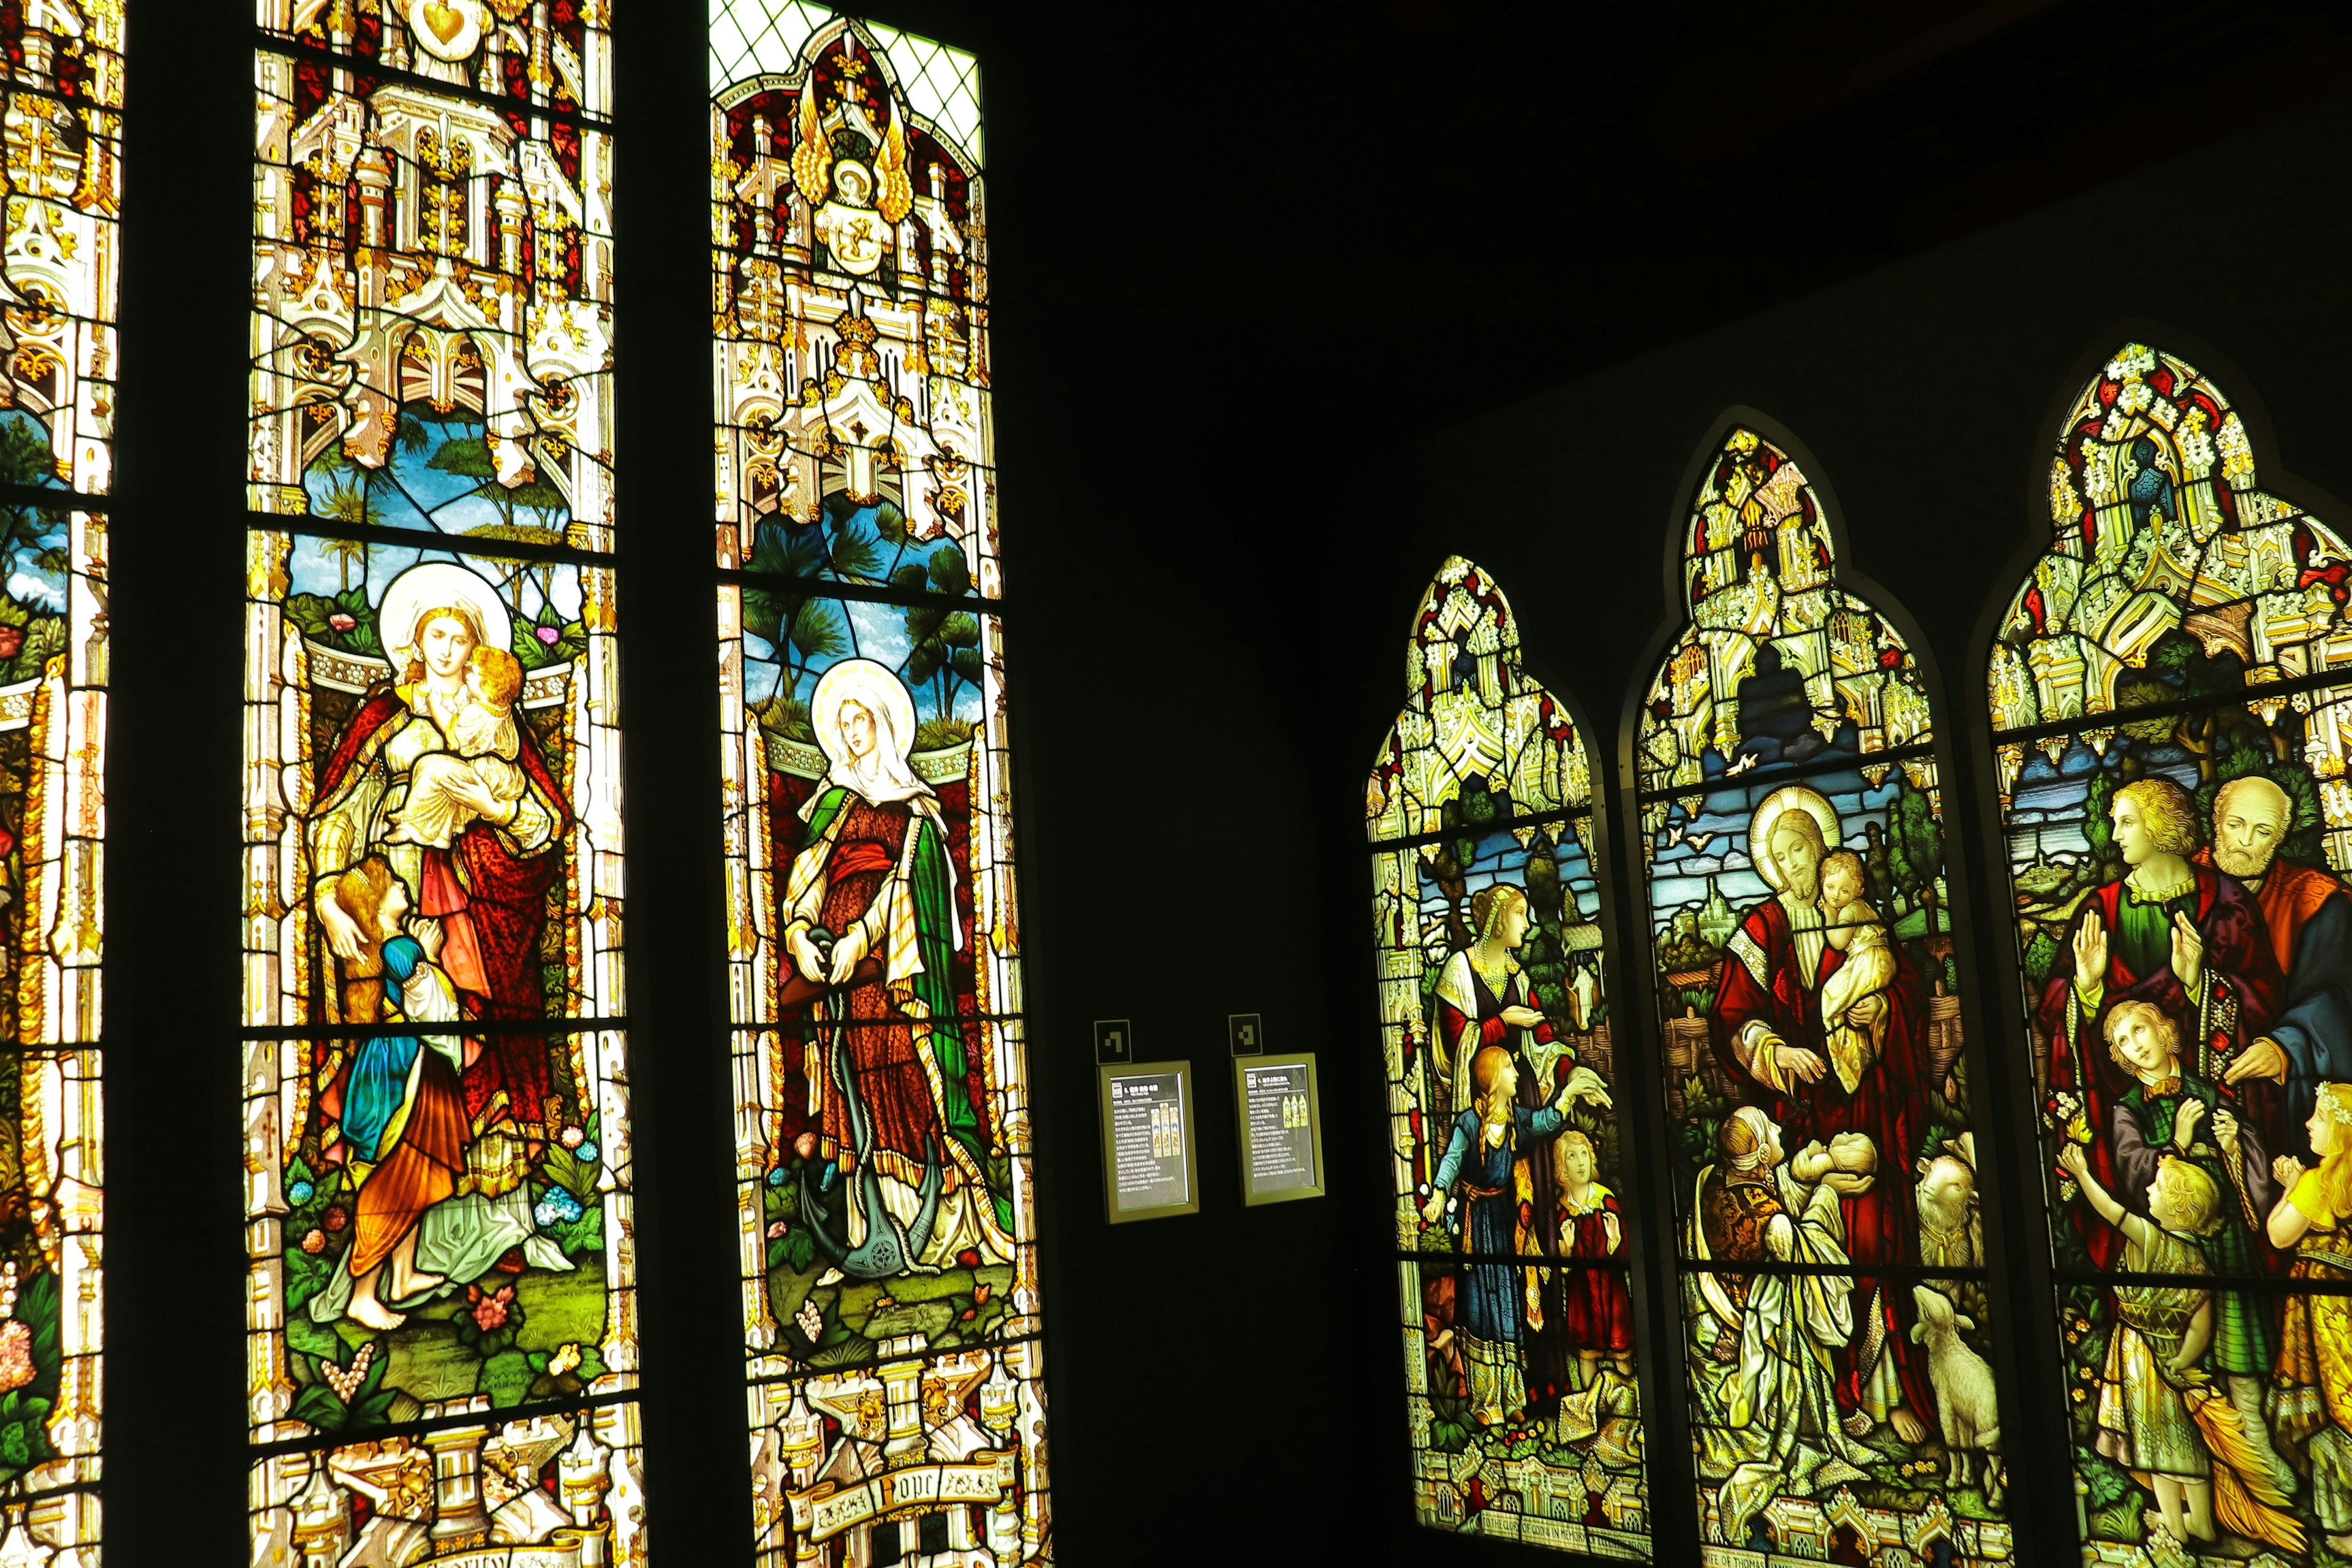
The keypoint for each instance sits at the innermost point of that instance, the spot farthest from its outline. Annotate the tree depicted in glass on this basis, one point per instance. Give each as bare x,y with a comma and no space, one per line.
2171,699
887,1213
1511,1233
442,1344
1818,1103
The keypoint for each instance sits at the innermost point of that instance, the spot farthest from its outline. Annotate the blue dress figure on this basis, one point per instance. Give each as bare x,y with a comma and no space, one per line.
1490,1138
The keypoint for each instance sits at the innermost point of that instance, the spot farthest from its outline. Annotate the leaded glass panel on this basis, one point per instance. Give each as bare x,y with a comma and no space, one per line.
442,1338
61,259
888,1206
2169,692
1819,1112
1500,1052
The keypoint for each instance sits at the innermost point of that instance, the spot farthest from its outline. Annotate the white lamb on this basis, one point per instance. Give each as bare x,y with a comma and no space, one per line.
1964,1393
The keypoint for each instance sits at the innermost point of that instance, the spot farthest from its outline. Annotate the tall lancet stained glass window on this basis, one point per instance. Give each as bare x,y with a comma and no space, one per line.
1818,1104
888,1211
441,1301
59,267
2171,697
1512,1178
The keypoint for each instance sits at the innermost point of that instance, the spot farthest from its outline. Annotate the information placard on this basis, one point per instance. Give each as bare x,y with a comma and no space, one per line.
1146,1127
1281,1122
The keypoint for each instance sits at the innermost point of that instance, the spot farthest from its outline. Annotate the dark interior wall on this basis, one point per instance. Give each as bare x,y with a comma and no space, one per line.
1221,653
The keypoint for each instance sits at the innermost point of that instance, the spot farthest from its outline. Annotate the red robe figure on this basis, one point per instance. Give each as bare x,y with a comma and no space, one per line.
1768,1033
489,889
2182,936
1597,1311
2308,915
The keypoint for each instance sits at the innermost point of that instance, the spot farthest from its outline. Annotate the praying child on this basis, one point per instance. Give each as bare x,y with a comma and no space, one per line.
2160,1338
2170,1113
1868,969
480,759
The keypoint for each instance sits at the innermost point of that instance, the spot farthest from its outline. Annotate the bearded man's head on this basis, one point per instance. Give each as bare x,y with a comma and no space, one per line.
2250,819
1796,846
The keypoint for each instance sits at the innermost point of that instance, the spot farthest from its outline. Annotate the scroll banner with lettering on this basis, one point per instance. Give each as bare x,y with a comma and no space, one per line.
827,1510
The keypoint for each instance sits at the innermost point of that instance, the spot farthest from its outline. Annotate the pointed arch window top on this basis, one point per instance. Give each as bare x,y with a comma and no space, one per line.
1478,739
2171,574
1780,664
771,37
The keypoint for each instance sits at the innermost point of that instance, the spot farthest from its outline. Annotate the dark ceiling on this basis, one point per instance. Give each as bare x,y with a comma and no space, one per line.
1354,184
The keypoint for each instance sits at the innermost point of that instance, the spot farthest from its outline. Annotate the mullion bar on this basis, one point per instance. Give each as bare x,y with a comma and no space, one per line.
269,43
457,1421
864,593
775,1379
543,1026
1571,816
312,526
1815,767
2084,724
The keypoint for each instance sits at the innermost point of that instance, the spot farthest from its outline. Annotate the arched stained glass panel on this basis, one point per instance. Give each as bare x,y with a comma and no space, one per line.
441,1299
1511,1178
2171,697
1818,1107
891,1314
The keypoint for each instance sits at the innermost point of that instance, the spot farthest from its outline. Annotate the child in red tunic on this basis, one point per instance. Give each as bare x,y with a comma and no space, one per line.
1599,1309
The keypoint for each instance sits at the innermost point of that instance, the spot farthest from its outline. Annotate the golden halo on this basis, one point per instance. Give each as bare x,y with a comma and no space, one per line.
430,585
1788,797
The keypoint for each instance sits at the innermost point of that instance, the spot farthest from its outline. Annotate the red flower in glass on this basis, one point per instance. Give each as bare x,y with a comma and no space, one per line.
490,1310
15,1355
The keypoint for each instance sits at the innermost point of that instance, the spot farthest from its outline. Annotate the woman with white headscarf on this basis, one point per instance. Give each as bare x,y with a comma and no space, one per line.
874,870
1762,1346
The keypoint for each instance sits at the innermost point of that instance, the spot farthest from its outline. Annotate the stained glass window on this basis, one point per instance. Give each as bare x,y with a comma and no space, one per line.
1819,1116
442,1320
59,262
2171,697
1499,1044
888,1215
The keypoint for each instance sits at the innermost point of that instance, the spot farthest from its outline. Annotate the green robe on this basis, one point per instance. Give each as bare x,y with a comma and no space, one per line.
931,880
2245,1340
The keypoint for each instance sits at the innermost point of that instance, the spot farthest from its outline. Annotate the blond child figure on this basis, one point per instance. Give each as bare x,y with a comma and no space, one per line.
1599,1314
480,758
2313,1381
2160,1338
1854,928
